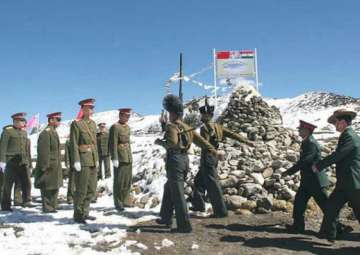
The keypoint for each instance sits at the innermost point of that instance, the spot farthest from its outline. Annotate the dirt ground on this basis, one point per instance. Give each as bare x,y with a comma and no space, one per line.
240,234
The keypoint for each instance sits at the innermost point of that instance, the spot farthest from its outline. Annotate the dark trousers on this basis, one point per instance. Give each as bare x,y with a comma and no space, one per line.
14,171
207,180
301,200
71,185
106,161
49,200
338,198
122,184
17,190
177,166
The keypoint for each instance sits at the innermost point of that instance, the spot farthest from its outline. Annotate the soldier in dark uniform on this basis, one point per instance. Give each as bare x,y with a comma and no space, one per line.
83,148
14,159
121,156
177,140
347,160
207,177
69,164
49,163
312,184
103,150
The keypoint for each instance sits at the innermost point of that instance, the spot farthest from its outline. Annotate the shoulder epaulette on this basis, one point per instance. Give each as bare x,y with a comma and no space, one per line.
8,127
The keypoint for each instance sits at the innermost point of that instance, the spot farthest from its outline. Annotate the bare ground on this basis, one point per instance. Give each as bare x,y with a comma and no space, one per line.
240,234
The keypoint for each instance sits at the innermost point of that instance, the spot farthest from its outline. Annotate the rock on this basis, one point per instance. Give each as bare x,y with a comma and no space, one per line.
268,172
145,199
235,202
279,205
258,178
287,193
229,182
233,162
276,164
243,212
252,188
154,202
265,202
249,205
291,157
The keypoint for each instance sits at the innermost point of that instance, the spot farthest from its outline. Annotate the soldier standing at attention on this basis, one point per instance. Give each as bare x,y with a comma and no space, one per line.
177,140
17,189
69,164
121,156
103,150
207,177
347,160
49,163
83,149
14,160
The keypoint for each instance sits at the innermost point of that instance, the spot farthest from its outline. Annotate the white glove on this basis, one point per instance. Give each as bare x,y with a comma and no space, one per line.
115,163
2,166
77,166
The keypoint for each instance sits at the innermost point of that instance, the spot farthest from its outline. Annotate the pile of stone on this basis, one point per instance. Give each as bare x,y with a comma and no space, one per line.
251,175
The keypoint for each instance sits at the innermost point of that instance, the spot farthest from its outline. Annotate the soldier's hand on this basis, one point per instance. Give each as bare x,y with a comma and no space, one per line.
2,166
97,164
77,166
115,163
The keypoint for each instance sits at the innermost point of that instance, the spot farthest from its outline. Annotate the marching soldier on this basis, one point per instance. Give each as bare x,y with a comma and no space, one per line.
103,150
347,160
14,160
69,164
312,184
177,140
48,163
121,156
207,177
83,149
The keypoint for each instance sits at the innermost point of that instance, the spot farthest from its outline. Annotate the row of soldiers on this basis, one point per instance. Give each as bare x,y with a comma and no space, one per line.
83,160
179,136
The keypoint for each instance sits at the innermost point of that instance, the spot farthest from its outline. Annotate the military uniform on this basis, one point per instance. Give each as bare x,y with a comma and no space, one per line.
120,150
312,184
49,163
104,156
71,176
177,141
347,160
207,177
83,148
13,152
17,189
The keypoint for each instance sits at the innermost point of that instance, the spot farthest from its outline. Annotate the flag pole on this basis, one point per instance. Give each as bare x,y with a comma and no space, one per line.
215,85
256,71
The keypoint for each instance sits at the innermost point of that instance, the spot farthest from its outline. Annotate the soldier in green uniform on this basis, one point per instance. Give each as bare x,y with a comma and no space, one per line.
83,148
207,177
103,150
17,189
312,184
49,163
121,156
347,160
69,164
177,141
14,160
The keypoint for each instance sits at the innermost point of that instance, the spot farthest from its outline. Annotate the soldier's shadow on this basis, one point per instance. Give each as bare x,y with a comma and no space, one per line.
299,244
24,216
158,229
